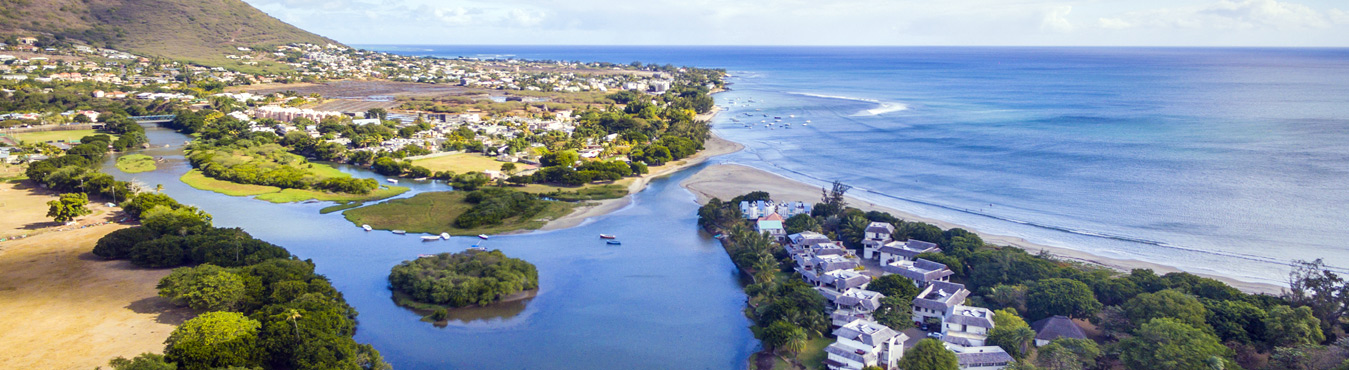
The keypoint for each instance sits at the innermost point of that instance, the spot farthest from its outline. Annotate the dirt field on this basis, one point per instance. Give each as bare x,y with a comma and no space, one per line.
63,308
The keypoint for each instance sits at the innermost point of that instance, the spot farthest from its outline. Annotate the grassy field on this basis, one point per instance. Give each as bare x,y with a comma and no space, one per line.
617,189
435,213
136,163
340,206
274,194
45,136
462,163
197,180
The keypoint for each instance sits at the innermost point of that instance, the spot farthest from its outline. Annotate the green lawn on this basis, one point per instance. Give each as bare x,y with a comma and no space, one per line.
340,206
435,213
45,136
618,189
274,194
136,163
462,163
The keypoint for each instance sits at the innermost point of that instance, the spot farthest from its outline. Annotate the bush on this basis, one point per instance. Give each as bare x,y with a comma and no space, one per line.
464,278
492,206
164,252
118,244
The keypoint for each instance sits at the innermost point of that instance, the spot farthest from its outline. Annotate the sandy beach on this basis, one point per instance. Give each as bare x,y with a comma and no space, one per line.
726,181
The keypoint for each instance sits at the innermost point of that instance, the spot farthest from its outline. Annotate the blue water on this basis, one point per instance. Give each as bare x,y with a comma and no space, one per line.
1223,161
669,297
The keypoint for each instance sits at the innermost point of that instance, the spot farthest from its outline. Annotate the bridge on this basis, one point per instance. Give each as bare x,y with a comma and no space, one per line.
153,119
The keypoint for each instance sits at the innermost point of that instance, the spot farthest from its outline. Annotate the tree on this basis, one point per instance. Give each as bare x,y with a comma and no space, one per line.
1169,344
81,118
929,354
1011,333
781,333
895,313
565,158
508,168
1237,321
146,361
1311,284
205,287
1010,296
118,244
1058,296
380,113
1167,303
1288,326
801,222
1068,354
68,207
214,340
894,285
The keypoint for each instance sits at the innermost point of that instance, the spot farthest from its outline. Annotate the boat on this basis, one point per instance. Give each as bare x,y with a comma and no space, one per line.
391,181
445,236
791,115
430,238
476,247
425,255
366,227
613,242
482,236
400,232
607,236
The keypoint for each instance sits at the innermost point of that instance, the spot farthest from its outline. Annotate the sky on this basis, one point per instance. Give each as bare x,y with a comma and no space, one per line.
823,22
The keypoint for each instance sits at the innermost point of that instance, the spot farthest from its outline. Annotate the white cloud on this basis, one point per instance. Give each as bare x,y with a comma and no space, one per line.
1339,16
1113,23
1225,15
525,18
1057,19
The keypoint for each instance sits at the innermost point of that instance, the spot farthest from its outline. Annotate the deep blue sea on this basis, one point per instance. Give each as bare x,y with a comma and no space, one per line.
1224,161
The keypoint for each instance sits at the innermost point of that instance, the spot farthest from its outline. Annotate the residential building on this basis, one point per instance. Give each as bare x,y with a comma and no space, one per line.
967,326
877,234
863,343
981,357
921,271
938,300
771,224
908,250
1050,328
852,304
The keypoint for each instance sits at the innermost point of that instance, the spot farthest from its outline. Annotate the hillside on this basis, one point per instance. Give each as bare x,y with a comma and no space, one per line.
202,31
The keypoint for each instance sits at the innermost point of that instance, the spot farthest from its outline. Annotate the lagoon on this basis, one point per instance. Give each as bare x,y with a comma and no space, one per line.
669,297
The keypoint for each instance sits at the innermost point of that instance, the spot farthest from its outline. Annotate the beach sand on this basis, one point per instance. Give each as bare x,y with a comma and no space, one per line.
727,181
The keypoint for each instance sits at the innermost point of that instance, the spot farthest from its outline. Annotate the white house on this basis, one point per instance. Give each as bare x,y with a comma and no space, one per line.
908,250
877,234
863,343
771,224
938,300
852,304
967,326
921,271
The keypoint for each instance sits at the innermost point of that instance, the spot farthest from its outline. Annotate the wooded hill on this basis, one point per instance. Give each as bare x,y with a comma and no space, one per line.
201,31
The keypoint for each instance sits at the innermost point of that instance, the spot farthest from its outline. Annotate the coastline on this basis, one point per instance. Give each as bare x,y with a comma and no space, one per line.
714,146
726,181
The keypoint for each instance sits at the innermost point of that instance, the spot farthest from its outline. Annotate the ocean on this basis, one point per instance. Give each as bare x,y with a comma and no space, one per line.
1231,162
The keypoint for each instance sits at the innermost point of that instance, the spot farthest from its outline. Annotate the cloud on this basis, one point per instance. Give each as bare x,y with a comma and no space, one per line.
1226,15
1339,16
1057,19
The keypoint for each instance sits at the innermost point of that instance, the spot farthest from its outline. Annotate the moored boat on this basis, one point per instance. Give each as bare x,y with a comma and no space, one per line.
367,227
445,236
400,232
482,236
607,236
476,247
614,242
429,238
391,181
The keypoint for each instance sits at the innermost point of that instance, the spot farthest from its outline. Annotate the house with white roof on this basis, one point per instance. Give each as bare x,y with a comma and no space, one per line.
938,300
863,343
967,326
981,357
852,304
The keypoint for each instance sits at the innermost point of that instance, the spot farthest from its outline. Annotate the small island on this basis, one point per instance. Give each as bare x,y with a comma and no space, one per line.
484,211
470,278
136,163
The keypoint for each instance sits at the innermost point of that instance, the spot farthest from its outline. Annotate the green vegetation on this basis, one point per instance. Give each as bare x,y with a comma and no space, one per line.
274,194
68,207
459,163
340,206
194,31
136,163
486,211
271,165
265,308
196,179
461,279
1145,321
69,136
929,354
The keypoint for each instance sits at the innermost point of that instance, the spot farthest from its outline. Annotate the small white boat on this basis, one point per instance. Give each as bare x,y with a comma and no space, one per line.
482,236
791,115
367,227
445,236
400,232
429,238
476,247
391,181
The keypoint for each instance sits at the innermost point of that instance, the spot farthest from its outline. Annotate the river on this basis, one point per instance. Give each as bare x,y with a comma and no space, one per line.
669,297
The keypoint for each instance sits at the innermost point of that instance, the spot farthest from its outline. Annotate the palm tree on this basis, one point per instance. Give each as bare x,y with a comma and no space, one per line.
159,188
293,315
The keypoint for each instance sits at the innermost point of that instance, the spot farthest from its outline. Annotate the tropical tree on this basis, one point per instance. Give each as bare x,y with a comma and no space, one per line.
801,222
68,207
929,354
1170,344
1011,333
146,361
215,340
895,313
1289,326
1058,296
205,287
1068,354
1311,284
783,335
894,285
1167,303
